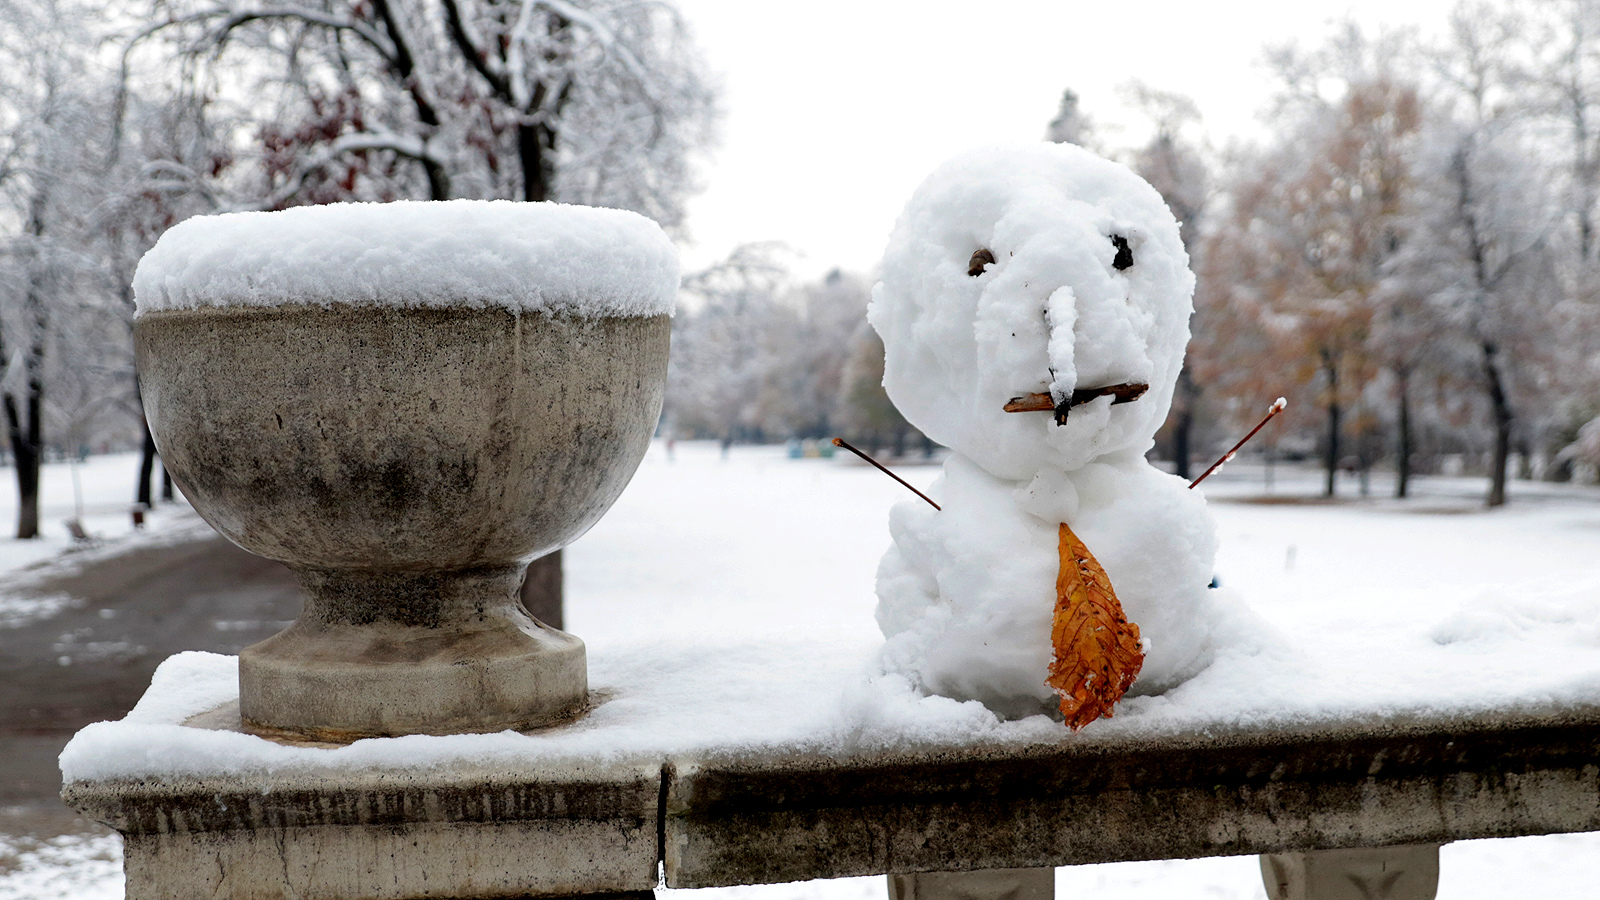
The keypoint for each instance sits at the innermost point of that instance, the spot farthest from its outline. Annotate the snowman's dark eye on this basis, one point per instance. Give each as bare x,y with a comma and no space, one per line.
979,260
1124,257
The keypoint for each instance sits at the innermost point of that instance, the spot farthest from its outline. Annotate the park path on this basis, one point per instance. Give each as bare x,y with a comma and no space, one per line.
128,611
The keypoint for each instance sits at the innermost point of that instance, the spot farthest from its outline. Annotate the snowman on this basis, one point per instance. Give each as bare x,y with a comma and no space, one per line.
1052,283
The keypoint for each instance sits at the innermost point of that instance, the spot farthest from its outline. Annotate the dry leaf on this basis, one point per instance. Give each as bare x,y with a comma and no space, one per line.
979,261
1097,650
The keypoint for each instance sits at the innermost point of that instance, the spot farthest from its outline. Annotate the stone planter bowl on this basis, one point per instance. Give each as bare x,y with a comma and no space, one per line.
407,463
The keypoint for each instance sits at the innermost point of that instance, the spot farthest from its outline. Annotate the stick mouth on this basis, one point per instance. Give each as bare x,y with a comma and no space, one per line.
1127,392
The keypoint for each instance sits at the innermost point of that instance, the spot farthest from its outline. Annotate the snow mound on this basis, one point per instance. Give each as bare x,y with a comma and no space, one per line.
473,254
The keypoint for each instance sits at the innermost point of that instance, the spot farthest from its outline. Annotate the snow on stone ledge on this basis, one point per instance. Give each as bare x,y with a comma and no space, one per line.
787,696
525,257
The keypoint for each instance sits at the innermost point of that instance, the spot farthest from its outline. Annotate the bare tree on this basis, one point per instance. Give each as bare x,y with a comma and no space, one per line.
51,132
1071,125
1484,222
725,341
865,410
758,357
1560,71
167,159
1174,163
1319,216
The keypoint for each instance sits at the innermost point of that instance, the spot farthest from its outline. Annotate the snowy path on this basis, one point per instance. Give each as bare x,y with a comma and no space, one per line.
761,545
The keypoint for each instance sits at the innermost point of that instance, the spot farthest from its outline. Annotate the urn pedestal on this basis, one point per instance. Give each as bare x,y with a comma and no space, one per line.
407,464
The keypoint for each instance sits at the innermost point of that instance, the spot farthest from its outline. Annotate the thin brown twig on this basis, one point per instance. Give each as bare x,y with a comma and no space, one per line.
841,442
1124,393
1277,407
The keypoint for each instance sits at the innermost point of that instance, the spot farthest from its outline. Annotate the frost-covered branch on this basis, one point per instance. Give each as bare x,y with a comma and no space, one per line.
523,36
403,145
223,22
476,56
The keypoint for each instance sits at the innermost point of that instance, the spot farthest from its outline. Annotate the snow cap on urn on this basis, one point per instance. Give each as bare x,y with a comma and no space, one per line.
1089,287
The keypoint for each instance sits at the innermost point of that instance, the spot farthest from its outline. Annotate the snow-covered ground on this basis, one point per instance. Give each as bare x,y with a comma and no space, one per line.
68,866
704,549
102,501
107,483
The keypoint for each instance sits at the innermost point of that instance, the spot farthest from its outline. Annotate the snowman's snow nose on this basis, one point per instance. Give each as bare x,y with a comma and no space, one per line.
1126,392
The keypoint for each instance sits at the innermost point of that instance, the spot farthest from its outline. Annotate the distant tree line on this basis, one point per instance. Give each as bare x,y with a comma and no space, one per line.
758,356
1411,256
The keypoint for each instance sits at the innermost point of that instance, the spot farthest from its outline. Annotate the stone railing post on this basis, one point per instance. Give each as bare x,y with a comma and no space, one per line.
1375,873
985,884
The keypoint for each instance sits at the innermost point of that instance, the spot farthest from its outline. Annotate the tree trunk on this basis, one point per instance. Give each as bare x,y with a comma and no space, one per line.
1180,443
542,588
438,180
25,431
26,453
536,151
1500,405
147,464
1332,449
25,425
1402,483
28,510
1183,427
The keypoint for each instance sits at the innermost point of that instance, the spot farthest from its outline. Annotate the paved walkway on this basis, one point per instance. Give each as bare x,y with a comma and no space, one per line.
94,660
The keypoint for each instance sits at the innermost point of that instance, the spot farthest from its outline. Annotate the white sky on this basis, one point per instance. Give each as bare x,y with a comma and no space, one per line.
835,110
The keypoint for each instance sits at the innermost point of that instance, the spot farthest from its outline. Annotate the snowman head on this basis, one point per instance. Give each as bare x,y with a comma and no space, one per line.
1030,270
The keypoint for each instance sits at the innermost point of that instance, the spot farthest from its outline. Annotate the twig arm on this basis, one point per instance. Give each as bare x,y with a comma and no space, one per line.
841,442
1277,407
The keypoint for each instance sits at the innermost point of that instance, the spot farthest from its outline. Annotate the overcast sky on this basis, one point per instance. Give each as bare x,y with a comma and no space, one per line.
836,109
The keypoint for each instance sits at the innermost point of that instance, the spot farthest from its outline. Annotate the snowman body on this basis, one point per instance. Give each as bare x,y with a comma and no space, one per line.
1089,287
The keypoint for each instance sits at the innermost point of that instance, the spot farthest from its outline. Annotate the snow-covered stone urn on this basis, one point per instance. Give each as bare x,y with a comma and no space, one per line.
406,403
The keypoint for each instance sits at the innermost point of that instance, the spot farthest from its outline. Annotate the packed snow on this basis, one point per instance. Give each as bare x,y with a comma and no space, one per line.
525,257
1022,270
772,559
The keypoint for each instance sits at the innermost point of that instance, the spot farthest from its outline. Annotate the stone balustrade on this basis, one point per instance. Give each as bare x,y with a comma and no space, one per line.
1315,800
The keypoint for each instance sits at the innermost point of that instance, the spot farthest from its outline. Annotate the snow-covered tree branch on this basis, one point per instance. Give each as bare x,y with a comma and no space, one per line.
602,102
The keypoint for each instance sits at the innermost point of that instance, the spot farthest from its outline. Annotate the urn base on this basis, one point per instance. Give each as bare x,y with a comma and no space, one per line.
377,654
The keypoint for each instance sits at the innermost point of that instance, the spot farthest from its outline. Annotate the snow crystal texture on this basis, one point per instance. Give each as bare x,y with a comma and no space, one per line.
524,257
966,595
